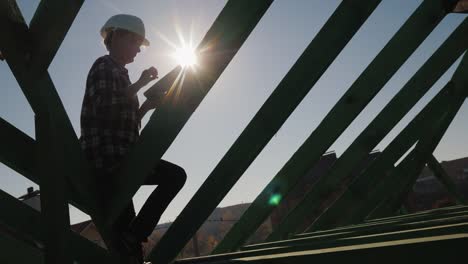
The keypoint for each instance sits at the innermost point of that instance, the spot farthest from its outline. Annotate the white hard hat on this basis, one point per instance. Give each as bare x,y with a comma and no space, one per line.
128,22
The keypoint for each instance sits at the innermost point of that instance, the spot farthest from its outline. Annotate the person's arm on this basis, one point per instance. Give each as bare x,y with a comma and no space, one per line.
133,89
146,76
148,105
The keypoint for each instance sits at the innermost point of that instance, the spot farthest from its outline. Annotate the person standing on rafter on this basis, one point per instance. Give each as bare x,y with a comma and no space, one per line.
110,123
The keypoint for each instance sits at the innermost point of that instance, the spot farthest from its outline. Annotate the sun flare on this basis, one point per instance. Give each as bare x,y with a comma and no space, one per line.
185,56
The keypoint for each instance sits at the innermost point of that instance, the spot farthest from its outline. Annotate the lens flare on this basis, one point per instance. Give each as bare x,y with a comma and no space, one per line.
185,56
275,199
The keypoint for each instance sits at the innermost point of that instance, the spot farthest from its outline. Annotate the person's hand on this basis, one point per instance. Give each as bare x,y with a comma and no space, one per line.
150,104
148,75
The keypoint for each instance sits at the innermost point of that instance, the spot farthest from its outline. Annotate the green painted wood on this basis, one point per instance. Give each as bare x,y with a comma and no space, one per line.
393,250
400,219
370,198
449,226
54,207
221,43
58,120
348,208
413,90
381,232
407,172
418,26
41,94
450,209
344,210
18,252
15,45
357,193
48,28
380,223
303,75
20,217
17,150
24,219
294,246
446,180
396,109
345,19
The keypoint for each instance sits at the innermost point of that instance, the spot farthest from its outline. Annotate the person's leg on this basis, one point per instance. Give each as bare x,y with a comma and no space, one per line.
170,179
129,249
122,223
121,231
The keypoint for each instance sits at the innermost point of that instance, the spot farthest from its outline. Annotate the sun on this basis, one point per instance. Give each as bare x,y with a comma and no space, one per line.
185,56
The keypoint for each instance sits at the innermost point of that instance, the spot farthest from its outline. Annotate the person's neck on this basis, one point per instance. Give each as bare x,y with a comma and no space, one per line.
117,59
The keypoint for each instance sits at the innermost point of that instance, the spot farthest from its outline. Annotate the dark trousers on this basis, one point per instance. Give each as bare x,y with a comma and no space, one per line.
170,179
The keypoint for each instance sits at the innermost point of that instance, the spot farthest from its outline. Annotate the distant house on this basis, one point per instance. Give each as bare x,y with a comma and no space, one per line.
88,230
429,193
32,198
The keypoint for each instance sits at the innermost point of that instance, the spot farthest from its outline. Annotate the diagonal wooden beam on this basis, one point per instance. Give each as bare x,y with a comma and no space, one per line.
370,175
40,91
20,217
54,206
287,177
413,90
48,27
360,200
401,180
17,150
16,46
24,219
357,193
18,252
445,179
391,192
302,76
402,45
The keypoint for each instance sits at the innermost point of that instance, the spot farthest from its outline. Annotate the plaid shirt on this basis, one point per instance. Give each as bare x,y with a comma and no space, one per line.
109,117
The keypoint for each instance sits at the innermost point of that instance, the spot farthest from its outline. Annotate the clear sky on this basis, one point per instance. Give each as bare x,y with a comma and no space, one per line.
264,59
